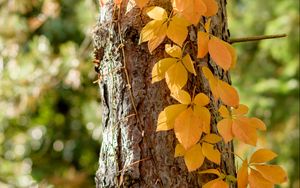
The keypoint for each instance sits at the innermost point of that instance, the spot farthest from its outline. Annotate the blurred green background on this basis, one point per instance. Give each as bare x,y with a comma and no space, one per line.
50,132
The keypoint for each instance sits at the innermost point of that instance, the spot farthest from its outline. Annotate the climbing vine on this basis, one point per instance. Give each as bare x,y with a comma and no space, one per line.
190,118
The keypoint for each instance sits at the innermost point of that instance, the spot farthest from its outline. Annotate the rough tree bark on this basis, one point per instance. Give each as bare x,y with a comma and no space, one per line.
133,154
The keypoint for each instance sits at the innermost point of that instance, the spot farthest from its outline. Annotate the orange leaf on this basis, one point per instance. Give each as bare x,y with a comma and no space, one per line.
204,117
141,3
211,153
243,131
202,41
220,53
216,183
201,99
228,94
191,10
257,123
212,138
221,89
187,128
272,173
242,176
240,110
194,158
211,6
167,117
232,53
262,155
256,180
225,129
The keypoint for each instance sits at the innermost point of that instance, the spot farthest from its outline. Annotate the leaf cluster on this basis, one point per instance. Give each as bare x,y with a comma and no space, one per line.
191,119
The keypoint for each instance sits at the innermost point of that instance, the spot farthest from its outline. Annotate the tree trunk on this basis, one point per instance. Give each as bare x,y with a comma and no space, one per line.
133,154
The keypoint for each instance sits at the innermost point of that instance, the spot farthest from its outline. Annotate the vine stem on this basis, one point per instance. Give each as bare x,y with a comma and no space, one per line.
256,38
233,154
140,122
127,76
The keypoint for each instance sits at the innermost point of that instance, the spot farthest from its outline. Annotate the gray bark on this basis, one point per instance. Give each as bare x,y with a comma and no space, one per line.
129,137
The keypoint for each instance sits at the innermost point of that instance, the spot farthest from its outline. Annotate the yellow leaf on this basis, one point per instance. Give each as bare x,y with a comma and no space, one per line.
227,93
211,7
225,129
157,13
211,171
173,51
189,64
262,155
176,77
220,53
257,123
179,150
191,10
240,110
256,180
194,158
158,38
224,112
182,96
150,30
242,175
211,153
243,131
272,173
160,68
177,29
202,41
201,99
167,117
212,138
204,117
187,128
141,3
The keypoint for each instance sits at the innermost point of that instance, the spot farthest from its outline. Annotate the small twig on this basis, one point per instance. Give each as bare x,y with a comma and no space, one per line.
233,154
121,46
134,163
255,38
